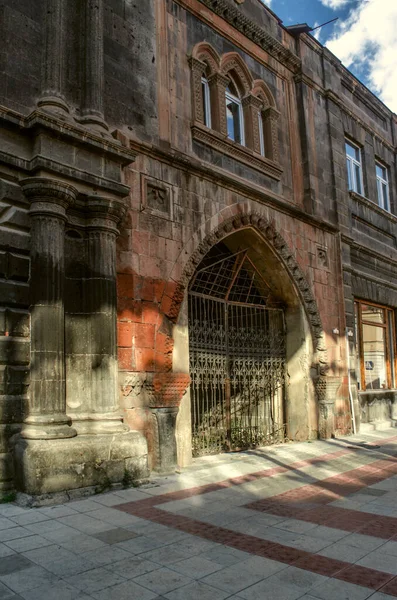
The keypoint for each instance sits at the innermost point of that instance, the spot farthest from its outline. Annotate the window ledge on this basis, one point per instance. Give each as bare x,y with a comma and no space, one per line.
241,153
373,205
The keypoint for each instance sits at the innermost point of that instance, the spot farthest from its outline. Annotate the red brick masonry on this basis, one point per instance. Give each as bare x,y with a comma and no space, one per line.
307,503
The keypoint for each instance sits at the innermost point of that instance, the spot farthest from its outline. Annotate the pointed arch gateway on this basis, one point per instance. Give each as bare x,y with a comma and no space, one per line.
237,358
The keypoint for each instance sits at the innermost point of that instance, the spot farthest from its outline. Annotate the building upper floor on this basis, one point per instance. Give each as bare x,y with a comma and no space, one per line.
220,83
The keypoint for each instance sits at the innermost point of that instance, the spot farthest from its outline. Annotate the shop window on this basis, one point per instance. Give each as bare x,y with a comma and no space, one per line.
354,168
375,346
382,182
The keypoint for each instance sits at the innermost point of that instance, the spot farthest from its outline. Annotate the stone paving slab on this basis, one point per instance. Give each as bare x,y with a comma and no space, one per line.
308,521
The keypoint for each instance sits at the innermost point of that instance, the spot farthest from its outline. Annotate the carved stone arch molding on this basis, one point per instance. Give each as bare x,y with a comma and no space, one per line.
262,91
262,225
232,61
205,53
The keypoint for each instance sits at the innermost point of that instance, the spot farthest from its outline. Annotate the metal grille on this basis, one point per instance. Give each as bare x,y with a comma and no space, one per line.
237,359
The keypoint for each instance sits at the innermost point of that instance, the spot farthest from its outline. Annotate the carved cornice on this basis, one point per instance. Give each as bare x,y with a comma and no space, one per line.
248,27
373,206
361,249
240,153
230,181
40,120
331,95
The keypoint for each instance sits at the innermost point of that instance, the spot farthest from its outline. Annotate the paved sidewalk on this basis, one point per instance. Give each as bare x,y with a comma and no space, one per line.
310,520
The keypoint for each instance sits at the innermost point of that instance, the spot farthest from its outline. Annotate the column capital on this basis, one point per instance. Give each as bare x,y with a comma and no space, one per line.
104,212
271,113
251,100
45,194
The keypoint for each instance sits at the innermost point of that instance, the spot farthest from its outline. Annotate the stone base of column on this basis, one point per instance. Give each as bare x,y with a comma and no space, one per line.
48,427
44,467
95,122
165,440
54,104
98,423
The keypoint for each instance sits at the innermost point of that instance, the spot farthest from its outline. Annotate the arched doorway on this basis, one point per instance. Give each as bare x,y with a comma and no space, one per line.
237,353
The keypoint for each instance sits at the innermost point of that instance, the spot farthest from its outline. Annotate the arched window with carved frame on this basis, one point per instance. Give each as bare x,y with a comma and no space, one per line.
205,63
266,125
233,113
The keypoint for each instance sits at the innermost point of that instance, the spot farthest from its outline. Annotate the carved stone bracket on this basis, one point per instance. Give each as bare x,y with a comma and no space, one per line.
166,389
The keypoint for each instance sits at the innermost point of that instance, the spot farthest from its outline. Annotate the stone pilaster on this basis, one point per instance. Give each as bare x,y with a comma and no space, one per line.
218,84
52,95
252,107
49,200
198,69
93,72
270,120
98,411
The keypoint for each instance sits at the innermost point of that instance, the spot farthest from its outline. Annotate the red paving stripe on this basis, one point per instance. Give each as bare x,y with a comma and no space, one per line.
293,504
308,503
322,565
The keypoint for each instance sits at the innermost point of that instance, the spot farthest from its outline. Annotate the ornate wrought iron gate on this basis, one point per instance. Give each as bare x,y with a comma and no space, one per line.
237,358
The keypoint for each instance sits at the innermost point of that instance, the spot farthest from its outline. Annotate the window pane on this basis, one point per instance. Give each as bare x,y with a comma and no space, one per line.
349,175
233,120
380,171
351,151
385,196
261,136
205,94
374,357
374,314
357,171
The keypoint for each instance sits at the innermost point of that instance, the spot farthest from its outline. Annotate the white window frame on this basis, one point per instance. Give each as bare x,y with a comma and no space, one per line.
261,134
380,183
351,162
232,98
206,102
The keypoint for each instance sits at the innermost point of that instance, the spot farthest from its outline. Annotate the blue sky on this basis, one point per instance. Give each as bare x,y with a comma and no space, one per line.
364,38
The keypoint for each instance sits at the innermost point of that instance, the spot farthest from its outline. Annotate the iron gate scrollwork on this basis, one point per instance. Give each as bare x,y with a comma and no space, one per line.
237,357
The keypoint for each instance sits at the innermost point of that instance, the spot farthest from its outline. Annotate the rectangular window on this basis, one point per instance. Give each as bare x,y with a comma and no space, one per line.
354,170
382,183
375,337
205,94
234,116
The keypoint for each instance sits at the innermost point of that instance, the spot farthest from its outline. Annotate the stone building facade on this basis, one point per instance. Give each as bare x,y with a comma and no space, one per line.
197,239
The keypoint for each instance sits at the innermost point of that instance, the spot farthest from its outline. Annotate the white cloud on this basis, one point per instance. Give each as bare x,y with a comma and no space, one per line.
367,41
334,4
317,32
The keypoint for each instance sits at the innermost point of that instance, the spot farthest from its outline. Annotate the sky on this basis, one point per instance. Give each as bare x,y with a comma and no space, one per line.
364,38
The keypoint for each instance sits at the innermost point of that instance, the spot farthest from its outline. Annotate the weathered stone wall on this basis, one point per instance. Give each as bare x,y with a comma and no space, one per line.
114,80
14,320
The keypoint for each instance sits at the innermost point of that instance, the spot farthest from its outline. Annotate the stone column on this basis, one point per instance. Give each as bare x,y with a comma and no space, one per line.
49,200
99,411
54,59
92,112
